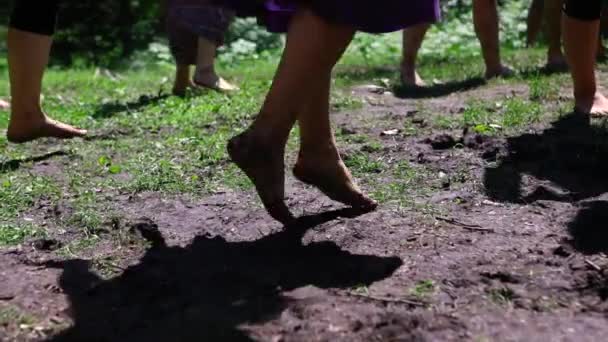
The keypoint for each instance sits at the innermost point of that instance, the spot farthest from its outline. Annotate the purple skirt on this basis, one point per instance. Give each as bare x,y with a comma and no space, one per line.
378,16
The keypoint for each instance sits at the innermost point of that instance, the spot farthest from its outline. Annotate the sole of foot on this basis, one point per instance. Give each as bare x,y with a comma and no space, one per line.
336,184
266,171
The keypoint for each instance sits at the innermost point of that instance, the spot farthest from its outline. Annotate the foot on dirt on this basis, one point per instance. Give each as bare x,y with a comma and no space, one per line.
598,107
335,181
266,169
502,71
44,128
556,64
410,78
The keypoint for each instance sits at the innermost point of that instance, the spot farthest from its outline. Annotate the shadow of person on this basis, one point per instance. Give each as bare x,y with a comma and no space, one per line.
108,110
571,156
14,164
206,290
438,90
589,229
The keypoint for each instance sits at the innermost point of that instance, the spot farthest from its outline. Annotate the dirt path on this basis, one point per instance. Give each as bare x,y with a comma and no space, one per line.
501,239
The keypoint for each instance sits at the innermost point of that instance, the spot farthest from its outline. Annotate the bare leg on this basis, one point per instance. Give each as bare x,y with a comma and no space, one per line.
182,80
28,55
205,74
580,43
485,19
259,151
553,17
412,40
534,21
319,162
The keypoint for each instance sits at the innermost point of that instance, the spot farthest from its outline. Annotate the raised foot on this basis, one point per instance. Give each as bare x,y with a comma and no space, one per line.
265,168
46,128
336,182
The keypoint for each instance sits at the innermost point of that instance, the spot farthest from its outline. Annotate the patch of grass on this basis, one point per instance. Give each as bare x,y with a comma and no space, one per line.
361,290
10,315
445,122
363,164
14,234
519,112
343,102
489,117
502,295
424,288
543,89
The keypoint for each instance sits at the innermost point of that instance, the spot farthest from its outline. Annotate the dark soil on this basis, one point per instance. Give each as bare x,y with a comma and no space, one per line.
513,250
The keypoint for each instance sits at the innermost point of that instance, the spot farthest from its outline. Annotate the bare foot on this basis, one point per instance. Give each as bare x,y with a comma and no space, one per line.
27,130
501,71
334,180
4,105
410,78
598,107
266,169
220,85
556,63
180,89
207,78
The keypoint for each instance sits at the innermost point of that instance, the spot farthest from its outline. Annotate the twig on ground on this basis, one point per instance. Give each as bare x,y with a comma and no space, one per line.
389,300
592,264
464,225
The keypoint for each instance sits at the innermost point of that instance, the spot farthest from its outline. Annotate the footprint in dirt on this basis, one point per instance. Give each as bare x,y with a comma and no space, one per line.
204,291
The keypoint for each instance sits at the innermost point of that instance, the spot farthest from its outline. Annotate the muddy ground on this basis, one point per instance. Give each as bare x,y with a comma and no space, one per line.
512,248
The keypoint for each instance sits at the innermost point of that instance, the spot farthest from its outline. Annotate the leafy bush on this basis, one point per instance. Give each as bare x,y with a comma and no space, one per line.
246,39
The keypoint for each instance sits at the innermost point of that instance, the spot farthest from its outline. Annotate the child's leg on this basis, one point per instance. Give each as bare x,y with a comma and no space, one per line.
182,79
319,162
553,18
534,21
485,19
412,40
28,55
260,150
581,30
205,74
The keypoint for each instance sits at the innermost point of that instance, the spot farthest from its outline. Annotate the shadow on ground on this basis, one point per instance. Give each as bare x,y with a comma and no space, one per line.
438,90
108,110
569,162
14,164
206,290
589,229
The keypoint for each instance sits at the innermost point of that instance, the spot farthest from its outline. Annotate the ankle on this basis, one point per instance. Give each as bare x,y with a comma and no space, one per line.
26,115
317,151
